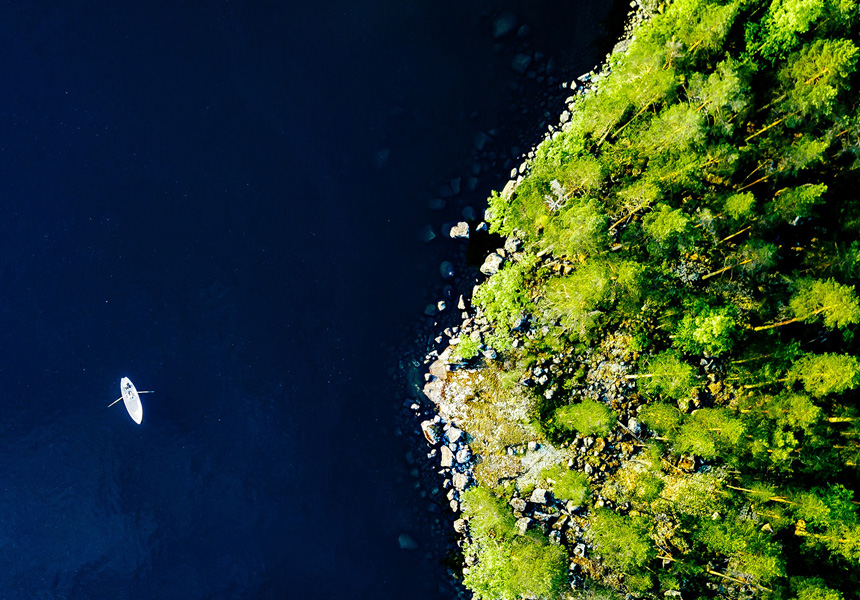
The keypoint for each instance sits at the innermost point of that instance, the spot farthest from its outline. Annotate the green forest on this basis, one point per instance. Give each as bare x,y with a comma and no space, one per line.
679,317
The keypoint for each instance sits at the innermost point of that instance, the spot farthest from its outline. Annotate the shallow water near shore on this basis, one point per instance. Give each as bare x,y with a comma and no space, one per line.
221,201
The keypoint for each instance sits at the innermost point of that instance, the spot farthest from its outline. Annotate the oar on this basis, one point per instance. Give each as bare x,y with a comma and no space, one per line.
138,391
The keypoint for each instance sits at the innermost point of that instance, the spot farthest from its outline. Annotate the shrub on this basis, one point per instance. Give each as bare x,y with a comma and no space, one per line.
568,485
588,418
525,567
468,348
663,418
488,515
823,374
708,330
622,541
667,374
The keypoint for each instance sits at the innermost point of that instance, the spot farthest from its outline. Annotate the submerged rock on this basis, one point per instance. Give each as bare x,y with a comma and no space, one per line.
504,24
407,542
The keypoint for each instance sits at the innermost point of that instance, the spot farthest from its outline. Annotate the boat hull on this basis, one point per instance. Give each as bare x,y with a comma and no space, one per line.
131,399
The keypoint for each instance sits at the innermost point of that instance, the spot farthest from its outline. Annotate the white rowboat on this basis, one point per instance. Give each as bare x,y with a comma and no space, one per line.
131,399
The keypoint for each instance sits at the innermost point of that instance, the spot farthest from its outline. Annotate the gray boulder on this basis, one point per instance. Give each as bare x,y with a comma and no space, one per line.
523,525
539,496
492,264
447,457
431,431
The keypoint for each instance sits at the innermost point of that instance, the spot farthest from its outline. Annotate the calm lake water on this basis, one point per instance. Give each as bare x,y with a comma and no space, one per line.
193,197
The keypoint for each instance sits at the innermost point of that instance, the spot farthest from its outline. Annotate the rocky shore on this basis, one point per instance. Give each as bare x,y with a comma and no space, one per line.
456,440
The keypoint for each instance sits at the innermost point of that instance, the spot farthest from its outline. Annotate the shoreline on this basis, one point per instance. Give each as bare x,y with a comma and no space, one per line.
446,467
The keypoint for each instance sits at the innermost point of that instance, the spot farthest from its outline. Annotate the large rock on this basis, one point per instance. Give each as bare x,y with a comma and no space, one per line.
460,231
539,496
518,504
439,370
453,434
523,525
431,431
492,264
463,455
447,457
460,481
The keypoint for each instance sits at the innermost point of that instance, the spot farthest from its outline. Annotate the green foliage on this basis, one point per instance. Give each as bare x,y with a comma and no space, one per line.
791,203
813,588
525,567
578,230
823,374
695,190
740,206
664,223
709,432
668,375
622,541
706,329
468,348
504,298
568,485
663,418
784,23
489,516
829,300
816,74
751,551
588,418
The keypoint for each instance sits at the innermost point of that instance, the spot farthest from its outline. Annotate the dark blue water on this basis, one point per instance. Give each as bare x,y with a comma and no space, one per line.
189,198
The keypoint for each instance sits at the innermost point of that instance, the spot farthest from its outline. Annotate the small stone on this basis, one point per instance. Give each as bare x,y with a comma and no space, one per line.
436,204
447,457
523,525
440,306
633,426
555,538
430,310
461,303
539,496
446,269
533,446
463,455
460,481
468,213
407,542
579,550
460,526
454,505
